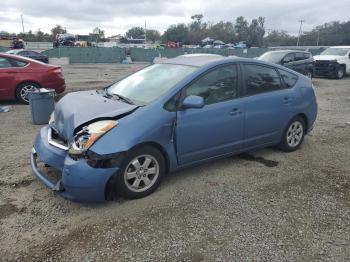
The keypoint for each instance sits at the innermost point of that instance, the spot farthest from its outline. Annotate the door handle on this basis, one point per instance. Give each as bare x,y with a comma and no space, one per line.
235,111
287,100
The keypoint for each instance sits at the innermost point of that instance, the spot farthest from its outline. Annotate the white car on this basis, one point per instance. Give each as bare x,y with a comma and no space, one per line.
333,62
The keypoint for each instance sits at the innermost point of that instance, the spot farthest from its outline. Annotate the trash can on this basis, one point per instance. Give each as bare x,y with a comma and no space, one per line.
42,104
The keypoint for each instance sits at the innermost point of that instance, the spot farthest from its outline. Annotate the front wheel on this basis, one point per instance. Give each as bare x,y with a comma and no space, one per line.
141,173
293,135
340,73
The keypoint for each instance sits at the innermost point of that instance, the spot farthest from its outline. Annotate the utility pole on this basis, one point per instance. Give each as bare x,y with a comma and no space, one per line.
318,37
22,23
145,33
301,23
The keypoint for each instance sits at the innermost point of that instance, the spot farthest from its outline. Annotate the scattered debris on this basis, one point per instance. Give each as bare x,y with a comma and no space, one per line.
5,109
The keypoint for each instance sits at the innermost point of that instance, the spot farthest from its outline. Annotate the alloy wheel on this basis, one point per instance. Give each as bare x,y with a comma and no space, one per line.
141,173
295,134
340,73
25,91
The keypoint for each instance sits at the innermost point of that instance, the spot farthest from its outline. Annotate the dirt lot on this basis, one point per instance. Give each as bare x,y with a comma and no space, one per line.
261,206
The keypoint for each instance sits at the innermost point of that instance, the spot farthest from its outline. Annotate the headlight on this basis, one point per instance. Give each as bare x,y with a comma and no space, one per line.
52,118
85,138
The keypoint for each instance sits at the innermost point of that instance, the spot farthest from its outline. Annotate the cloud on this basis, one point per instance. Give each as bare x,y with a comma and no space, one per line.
116,16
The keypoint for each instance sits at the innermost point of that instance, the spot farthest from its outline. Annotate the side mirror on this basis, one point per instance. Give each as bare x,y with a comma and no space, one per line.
193,102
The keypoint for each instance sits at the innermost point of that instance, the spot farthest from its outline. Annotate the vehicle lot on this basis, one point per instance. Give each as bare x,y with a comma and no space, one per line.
265,205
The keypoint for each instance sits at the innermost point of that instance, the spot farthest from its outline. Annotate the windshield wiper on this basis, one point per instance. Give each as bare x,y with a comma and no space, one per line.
119,97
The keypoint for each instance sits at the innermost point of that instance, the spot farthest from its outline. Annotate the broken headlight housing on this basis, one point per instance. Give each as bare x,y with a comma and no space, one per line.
88,135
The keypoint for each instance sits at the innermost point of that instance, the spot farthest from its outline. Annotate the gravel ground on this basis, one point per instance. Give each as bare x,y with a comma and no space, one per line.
260,206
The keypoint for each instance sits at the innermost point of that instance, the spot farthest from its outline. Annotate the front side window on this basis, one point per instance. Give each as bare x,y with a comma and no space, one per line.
218,85
272,57
151,82
260,79
289,58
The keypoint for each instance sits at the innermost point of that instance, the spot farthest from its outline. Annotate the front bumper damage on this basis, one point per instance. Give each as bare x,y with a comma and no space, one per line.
79,181
326,68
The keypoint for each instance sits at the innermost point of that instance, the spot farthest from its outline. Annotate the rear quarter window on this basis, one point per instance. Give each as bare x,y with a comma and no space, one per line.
17,63
289,79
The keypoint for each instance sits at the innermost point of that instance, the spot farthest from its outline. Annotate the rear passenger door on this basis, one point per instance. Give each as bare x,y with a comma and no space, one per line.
300,63
268,106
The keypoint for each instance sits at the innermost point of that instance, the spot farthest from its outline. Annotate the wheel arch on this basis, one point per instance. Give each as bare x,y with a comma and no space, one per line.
305,118
160,148
110,190
26,81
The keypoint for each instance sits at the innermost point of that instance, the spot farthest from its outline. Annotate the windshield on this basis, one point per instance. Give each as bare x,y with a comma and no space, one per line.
272,57
335,51
151,82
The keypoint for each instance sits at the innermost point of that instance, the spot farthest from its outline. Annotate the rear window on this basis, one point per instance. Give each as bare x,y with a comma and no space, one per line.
289,79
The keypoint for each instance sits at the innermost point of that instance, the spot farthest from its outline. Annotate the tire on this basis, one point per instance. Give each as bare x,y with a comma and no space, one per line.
309,74
134,179
23,89
294,134
339,74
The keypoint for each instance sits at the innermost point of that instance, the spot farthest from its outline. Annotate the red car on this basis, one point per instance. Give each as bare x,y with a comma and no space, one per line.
19,75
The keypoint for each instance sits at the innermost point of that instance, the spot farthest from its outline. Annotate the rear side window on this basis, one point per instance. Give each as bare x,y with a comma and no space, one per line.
307,55
260,79
299,56
4,63
289,79
17,63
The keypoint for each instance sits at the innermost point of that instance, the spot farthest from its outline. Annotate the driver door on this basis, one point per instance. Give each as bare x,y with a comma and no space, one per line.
217,128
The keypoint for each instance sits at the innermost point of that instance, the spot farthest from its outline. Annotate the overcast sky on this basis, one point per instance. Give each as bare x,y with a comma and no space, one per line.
116,16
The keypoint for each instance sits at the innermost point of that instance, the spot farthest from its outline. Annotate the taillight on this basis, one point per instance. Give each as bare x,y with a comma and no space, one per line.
57,70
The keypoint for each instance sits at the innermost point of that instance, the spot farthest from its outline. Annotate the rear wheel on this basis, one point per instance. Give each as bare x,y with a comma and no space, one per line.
23,90
293,135
141,173
308,74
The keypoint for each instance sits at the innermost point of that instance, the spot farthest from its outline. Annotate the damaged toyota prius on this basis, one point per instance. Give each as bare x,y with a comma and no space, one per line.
123,139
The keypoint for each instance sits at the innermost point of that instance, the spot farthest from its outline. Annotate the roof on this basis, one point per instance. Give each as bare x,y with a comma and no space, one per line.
197,60
287,51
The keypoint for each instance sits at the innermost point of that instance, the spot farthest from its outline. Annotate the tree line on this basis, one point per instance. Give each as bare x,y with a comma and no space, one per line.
253,32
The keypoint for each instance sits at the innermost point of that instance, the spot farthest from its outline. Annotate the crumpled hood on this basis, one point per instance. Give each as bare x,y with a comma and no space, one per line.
327,57
77,108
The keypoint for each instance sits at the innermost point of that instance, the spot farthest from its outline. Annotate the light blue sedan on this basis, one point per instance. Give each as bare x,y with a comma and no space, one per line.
180,112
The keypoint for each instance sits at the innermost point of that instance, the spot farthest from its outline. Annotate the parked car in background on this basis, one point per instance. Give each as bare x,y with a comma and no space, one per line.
180,112
20,75
299,61
243,45
333,62
31,54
